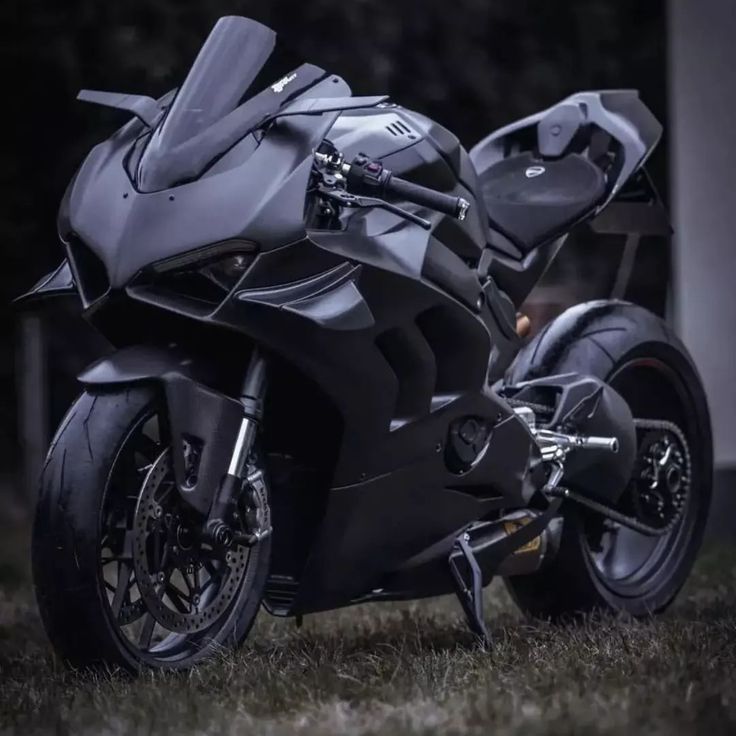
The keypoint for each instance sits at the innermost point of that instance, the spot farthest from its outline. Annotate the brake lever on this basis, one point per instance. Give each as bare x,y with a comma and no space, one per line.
426,224
346,199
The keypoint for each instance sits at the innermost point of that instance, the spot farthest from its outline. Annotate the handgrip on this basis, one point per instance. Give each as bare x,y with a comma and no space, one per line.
366,175
425,197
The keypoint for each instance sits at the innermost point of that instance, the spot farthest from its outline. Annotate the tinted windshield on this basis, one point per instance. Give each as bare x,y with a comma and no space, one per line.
233,54
231,58
208,116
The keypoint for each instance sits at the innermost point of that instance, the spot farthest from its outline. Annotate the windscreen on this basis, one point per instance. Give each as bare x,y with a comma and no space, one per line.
233,54
230,59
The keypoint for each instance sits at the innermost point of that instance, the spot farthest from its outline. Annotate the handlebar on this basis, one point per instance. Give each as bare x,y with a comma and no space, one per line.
363,174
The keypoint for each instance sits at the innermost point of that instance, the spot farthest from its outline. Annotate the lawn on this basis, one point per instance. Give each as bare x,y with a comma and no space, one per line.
393,669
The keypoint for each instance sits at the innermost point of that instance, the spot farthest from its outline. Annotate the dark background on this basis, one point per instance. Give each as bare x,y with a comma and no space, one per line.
471,64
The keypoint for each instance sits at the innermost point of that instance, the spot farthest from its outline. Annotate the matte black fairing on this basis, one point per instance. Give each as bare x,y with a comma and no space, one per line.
58,282
260,198
401,357
391,322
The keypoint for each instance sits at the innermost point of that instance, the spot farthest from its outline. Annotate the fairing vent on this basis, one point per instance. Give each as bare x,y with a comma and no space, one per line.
192,285
88,270
399,129
413,364
457,346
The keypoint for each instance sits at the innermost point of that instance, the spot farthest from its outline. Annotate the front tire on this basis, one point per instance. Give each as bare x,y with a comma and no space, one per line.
101,458
602,567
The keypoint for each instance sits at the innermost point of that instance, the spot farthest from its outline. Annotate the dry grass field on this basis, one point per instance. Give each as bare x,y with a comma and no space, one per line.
396,669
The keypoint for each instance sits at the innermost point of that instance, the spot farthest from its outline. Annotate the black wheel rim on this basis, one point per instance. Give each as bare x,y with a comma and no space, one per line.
626,562
142,634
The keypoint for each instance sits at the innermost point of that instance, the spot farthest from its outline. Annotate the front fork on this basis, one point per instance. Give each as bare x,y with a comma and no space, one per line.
224,509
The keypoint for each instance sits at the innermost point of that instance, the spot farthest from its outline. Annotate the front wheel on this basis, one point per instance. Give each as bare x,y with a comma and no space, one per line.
122,576
602,565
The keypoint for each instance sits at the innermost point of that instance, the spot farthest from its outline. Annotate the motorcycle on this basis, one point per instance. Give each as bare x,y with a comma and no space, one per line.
322,392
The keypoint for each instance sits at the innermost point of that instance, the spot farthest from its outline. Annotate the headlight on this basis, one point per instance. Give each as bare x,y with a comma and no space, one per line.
206,274
227,271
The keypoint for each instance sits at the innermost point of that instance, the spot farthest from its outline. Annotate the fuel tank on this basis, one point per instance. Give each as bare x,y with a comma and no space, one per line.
416,148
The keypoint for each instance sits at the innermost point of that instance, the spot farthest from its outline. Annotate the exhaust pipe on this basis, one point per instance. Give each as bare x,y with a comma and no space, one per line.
484,539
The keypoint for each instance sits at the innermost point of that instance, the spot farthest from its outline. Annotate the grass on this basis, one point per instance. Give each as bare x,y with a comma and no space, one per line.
393,669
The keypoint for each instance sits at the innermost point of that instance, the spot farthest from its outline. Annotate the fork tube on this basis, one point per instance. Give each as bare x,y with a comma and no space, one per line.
251,397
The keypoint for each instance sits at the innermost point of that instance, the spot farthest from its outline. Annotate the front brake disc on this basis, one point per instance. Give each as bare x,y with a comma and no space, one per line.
185,590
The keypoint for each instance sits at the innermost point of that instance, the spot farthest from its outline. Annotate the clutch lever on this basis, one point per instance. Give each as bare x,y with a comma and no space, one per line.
345,199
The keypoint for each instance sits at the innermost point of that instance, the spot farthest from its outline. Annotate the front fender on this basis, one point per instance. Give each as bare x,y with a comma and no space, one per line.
203,423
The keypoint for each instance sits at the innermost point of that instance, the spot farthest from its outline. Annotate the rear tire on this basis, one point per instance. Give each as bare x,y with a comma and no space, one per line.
637,353
80,479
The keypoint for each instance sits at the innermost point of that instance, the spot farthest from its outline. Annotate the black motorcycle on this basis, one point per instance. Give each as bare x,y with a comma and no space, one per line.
322,393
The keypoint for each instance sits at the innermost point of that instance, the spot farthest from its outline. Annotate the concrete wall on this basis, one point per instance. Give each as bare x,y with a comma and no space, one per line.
702,140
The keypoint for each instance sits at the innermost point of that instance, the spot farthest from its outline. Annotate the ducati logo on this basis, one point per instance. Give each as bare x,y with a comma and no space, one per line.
533,171
278,87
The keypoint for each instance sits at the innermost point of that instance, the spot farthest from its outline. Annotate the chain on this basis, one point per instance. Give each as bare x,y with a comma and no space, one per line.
608,512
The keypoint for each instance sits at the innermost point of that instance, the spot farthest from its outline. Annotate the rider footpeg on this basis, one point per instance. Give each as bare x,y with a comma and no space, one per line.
470,595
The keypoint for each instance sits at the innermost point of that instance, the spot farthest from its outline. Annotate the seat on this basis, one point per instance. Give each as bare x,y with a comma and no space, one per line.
531,200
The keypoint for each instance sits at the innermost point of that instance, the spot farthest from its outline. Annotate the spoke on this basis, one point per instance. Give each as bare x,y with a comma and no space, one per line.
149,622
185,578
189,597
144,638
115,558
175,597
212,570
128,544
191,582
207,583
164,558
164,491
123,583
182,595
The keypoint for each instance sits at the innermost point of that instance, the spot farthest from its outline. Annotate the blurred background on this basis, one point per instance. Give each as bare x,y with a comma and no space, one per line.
473,65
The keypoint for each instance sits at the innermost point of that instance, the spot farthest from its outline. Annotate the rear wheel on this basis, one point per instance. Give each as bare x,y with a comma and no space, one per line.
602,564
122,576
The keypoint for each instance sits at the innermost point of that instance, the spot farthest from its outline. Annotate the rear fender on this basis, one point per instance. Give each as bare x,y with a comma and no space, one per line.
203,422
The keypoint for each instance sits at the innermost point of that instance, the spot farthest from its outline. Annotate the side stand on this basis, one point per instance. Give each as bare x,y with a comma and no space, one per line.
470,596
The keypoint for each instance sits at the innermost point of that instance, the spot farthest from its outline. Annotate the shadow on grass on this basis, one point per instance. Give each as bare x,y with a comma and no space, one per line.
395,668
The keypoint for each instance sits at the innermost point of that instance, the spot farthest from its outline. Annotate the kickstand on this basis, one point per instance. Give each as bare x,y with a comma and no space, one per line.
471,598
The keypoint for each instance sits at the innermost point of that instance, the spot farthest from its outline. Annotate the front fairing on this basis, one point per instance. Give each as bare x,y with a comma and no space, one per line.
255,192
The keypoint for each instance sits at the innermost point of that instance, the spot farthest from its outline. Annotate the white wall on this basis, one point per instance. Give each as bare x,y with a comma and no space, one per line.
702,139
